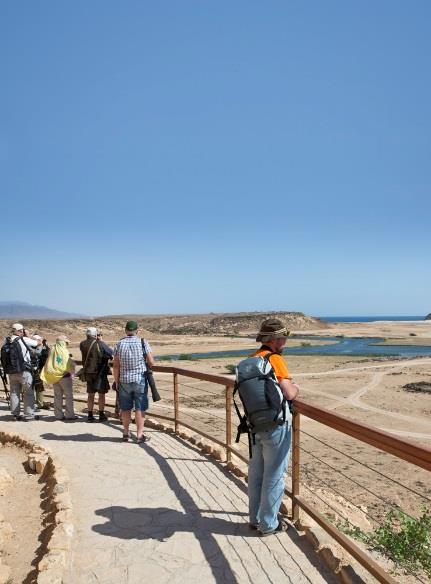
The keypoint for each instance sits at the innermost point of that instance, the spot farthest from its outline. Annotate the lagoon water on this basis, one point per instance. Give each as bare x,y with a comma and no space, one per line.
365,347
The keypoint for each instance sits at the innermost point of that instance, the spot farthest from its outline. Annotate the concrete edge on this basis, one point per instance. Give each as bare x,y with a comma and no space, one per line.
59,531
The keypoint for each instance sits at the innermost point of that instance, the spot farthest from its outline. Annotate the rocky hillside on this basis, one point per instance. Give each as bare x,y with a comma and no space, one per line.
246,323
243,323
428,317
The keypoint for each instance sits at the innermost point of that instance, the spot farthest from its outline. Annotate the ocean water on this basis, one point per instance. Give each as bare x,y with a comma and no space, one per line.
368,318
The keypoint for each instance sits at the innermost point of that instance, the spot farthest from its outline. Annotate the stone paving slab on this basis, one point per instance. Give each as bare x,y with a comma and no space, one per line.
162,511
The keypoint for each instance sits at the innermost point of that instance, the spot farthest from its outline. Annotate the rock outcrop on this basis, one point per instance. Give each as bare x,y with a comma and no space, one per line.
243,323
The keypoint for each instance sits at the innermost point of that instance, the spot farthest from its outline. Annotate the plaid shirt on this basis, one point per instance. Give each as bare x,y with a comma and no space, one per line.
131,357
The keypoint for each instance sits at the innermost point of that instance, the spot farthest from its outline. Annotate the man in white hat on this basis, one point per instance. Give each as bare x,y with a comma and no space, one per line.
16,362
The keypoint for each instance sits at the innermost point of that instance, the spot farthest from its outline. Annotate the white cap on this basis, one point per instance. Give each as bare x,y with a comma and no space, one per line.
17,327
37,338
91,331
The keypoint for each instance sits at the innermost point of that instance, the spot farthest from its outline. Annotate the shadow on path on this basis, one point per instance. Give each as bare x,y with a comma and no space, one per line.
80,437
161,523
207,459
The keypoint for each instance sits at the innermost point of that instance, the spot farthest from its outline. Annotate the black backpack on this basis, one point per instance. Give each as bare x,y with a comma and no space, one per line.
12,359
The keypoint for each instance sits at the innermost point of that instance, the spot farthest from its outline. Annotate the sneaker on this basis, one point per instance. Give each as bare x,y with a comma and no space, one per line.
19,418
90,417
142,439
30,419
281,527
37,409
103,417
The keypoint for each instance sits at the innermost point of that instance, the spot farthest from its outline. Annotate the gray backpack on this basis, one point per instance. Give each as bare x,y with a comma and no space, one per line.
262,399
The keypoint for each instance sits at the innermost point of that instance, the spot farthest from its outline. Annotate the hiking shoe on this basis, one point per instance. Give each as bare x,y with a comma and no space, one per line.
103,417
282,526
142,439
90,417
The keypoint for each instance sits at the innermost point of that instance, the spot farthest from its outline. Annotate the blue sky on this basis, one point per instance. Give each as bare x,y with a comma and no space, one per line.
197,156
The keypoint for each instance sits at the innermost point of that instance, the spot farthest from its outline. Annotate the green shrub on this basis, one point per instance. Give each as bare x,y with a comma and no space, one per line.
404,539
231,368
305,344
185,357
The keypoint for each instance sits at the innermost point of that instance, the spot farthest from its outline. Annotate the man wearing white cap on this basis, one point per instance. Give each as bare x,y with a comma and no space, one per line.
93,355
16,362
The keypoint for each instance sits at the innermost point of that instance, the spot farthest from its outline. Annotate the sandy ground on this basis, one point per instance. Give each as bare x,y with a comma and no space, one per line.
20,504
387,329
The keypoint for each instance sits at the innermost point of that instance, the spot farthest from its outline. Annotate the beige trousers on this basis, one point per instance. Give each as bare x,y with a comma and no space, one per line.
64,389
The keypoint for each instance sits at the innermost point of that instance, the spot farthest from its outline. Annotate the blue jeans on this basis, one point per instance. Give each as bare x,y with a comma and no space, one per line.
266,472
134,395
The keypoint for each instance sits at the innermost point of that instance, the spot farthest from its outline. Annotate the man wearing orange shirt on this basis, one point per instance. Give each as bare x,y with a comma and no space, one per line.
270,452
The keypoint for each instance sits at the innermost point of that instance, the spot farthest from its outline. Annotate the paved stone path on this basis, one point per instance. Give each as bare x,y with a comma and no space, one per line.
162,512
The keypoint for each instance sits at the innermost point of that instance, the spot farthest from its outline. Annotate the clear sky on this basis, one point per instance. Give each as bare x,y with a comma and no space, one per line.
202,156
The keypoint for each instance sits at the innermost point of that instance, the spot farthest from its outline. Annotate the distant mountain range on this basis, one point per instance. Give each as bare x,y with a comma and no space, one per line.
15,310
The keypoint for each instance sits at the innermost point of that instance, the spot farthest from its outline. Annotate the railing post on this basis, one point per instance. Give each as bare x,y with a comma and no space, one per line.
176,403
295,463
228,397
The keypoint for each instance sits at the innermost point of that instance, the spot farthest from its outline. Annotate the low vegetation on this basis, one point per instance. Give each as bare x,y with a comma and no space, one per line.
403,539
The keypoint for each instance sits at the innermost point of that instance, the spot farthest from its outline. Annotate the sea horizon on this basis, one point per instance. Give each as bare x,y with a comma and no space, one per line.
370,318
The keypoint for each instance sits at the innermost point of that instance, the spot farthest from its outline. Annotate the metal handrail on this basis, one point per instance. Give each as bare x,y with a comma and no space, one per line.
405,449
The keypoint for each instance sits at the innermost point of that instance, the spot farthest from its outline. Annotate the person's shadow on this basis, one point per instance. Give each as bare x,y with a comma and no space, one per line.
161,523
85,437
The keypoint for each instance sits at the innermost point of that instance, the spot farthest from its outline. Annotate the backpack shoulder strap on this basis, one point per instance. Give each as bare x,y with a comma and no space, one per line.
25,345
88,353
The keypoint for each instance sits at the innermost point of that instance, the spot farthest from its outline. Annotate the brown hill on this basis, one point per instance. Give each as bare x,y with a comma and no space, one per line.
228,324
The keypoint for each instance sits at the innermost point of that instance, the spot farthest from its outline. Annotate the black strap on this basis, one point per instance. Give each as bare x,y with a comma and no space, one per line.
144,351
88,354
